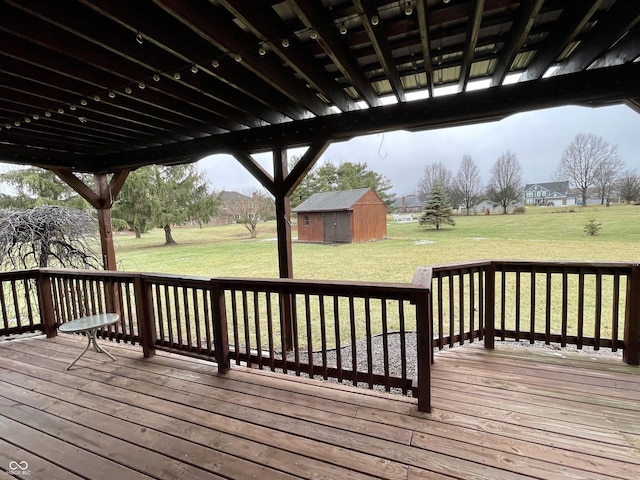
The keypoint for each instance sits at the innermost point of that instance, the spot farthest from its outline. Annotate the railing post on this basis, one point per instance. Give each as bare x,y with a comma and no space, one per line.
146,324
45,299
220,329
631,353
490,306
422,277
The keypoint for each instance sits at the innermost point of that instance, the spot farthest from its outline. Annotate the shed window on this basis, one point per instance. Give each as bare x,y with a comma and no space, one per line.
305,220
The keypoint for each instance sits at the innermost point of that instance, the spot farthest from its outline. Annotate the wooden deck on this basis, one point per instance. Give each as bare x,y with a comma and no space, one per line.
511,413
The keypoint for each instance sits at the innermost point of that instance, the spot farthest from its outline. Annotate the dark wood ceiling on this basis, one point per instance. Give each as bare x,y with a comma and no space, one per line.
100,85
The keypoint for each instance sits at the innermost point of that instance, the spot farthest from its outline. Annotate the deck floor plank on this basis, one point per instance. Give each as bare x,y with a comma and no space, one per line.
512,413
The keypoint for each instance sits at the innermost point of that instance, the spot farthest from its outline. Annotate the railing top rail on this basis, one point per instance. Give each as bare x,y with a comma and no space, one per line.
18,274
557,266
385,289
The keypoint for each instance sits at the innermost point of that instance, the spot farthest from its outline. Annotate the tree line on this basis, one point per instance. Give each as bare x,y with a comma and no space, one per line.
590,164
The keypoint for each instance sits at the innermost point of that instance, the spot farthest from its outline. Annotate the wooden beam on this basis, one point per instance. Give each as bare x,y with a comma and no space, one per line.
256,170
571,22
423,22
475,19
517,37
621,18
300,170
592,87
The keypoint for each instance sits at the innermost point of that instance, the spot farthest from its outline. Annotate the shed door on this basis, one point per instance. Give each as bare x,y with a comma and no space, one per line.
337,227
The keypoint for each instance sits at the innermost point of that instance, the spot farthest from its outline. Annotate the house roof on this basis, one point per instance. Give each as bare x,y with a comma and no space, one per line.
105,85
331,201
558,187
410,201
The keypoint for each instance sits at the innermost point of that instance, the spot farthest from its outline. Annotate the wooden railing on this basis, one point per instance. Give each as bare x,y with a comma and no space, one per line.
578,303
345,331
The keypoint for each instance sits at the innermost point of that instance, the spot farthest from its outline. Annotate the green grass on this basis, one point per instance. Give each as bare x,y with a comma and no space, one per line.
540,234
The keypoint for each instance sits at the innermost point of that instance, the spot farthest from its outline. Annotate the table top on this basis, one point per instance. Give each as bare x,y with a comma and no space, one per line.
89,322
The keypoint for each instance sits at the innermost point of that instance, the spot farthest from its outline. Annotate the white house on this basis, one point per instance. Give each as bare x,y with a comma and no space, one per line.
550,194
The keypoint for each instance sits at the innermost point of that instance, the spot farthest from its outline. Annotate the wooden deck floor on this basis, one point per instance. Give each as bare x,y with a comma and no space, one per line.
511,413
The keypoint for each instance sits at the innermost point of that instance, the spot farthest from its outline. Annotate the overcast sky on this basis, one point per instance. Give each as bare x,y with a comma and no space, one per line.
537,138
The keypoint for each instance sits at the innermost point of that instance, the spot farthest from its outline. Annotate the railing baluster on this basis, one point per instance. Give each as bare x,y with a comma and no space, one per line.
385,343
503,304
547,328
441,314
256,316
565,307
517,312
247,332
580,340
272,364
615,312
354,347
598,313
472,304
307,316
461,319
323,334
367,318
532,307
452,320
234,321
336,320
403,343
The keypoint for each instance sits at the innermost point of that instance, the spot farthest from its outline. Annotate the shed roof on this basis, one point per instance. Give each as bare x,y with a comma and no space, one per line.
331,201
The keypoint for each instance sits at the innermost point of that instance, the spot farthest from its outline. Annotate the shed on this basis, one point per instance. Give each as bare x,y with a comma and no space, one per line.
346,216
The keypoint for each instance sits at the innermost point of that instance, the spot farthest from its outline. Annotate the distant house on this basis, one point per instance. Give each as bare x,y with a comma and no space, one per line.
347,216
226,213
407,204
550,194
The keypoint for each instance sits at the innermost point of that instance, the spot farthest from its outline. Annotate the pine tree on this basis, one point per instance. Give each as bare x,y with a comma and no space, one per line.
437,210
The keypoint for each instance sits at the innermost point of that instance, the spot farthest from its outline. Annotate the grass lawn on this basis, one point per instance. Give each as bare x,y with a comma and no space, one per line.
545,233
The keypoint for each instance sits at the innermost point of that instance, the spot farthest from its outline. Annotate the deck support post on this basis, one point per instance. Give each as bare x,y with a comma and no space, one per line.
285,255
631,353
45,299
220,329
424,325
490,306
146,324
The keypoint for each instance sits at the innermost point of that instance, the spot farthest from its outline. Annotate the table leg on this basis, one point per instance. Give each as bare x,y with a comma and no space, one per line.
98,348
91,339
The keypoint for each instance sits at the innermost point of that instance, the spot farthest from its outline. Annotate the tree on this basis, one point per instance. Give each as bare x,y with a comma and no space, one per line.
36,186
251,209
608,176
328,177
434,173
467,183
629,186
182,196
48,236
505,185
162,196
137,201
585,160
437,209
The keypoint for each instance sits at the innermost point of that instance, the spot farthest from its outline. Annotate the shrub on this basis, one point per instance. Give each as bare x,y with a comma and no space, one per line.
592,228
519,210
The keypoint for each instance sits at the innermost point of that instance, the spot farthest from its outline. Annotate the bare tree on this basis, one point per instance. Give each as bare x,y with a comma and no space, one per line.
48,236
251,209
505,185
629,186
467,183
584,160
608,176
434,173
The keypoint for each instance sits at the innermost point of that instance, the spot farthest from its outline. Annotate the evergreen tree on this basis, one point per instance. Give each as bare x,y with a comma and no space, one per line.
437,210
328,177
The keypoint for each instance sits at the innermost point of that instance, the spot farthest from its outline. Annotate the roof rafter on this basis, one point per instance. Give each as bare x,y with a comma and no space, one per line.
381,46
333,45
569,25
